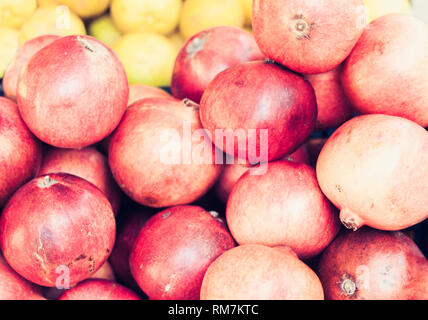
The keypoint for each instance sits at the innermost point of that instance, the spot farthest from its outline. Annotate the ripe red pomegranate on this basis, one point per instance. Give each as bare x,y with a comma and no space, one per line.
14,287
73,102
20,152
57,228
269,111
334,107
128,228
308,36
232,172
374,265
256,272
282,207
99,289
208,53
87,163
387,72
142,91
157,154
24,54
174,249
374,168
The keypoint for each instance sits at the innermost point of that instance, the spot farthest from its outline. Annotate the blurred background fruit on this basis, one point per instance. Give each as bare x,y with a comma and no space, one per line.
198,15
420,9
8,47
148,58
146,15
87,8
13,13
248,11
50,19
378,8
104,29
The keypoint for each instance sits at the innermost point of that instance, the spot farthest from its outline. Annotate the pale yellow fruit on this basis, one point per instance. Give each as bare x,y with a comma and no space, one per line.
198,15
8,47
148,58
104,29
48,2
248,11
159,16
58,20
177,40
13,13
378,8
87,8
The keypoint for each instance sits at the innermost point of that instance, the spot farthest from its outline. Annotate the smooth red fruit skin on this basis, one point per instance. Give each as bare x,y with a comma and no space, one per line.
255,96
141,91
24,54
208,53
14,287
20,151
283,206
387,72
141,150
87,163
99,289
308,36
374,265
57,220
127,231
73,92
374,168
174,249
232,172
334,107
257,272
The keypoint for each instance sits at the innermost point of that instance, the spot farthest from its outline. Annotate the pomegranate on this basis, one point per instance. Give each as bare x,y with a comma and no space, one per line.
282,207
129,227
334,107
374,168
73,103
208,53
232,172
257,272
269,111
24,54
142,91
14,287
154,153
374,265
387,72
57,228
20,152
308,36
99,289
87,163
174,249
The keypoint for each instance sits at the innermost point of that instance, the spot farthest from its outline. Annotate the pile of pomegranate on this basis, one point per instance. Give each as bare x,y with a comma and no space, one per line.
229,187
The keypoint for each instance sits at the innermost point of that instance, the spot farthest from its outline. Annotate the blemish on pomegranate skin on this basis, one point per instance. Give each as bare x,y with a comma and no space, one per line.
167,287
166,215
85,44
197,44
47,182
